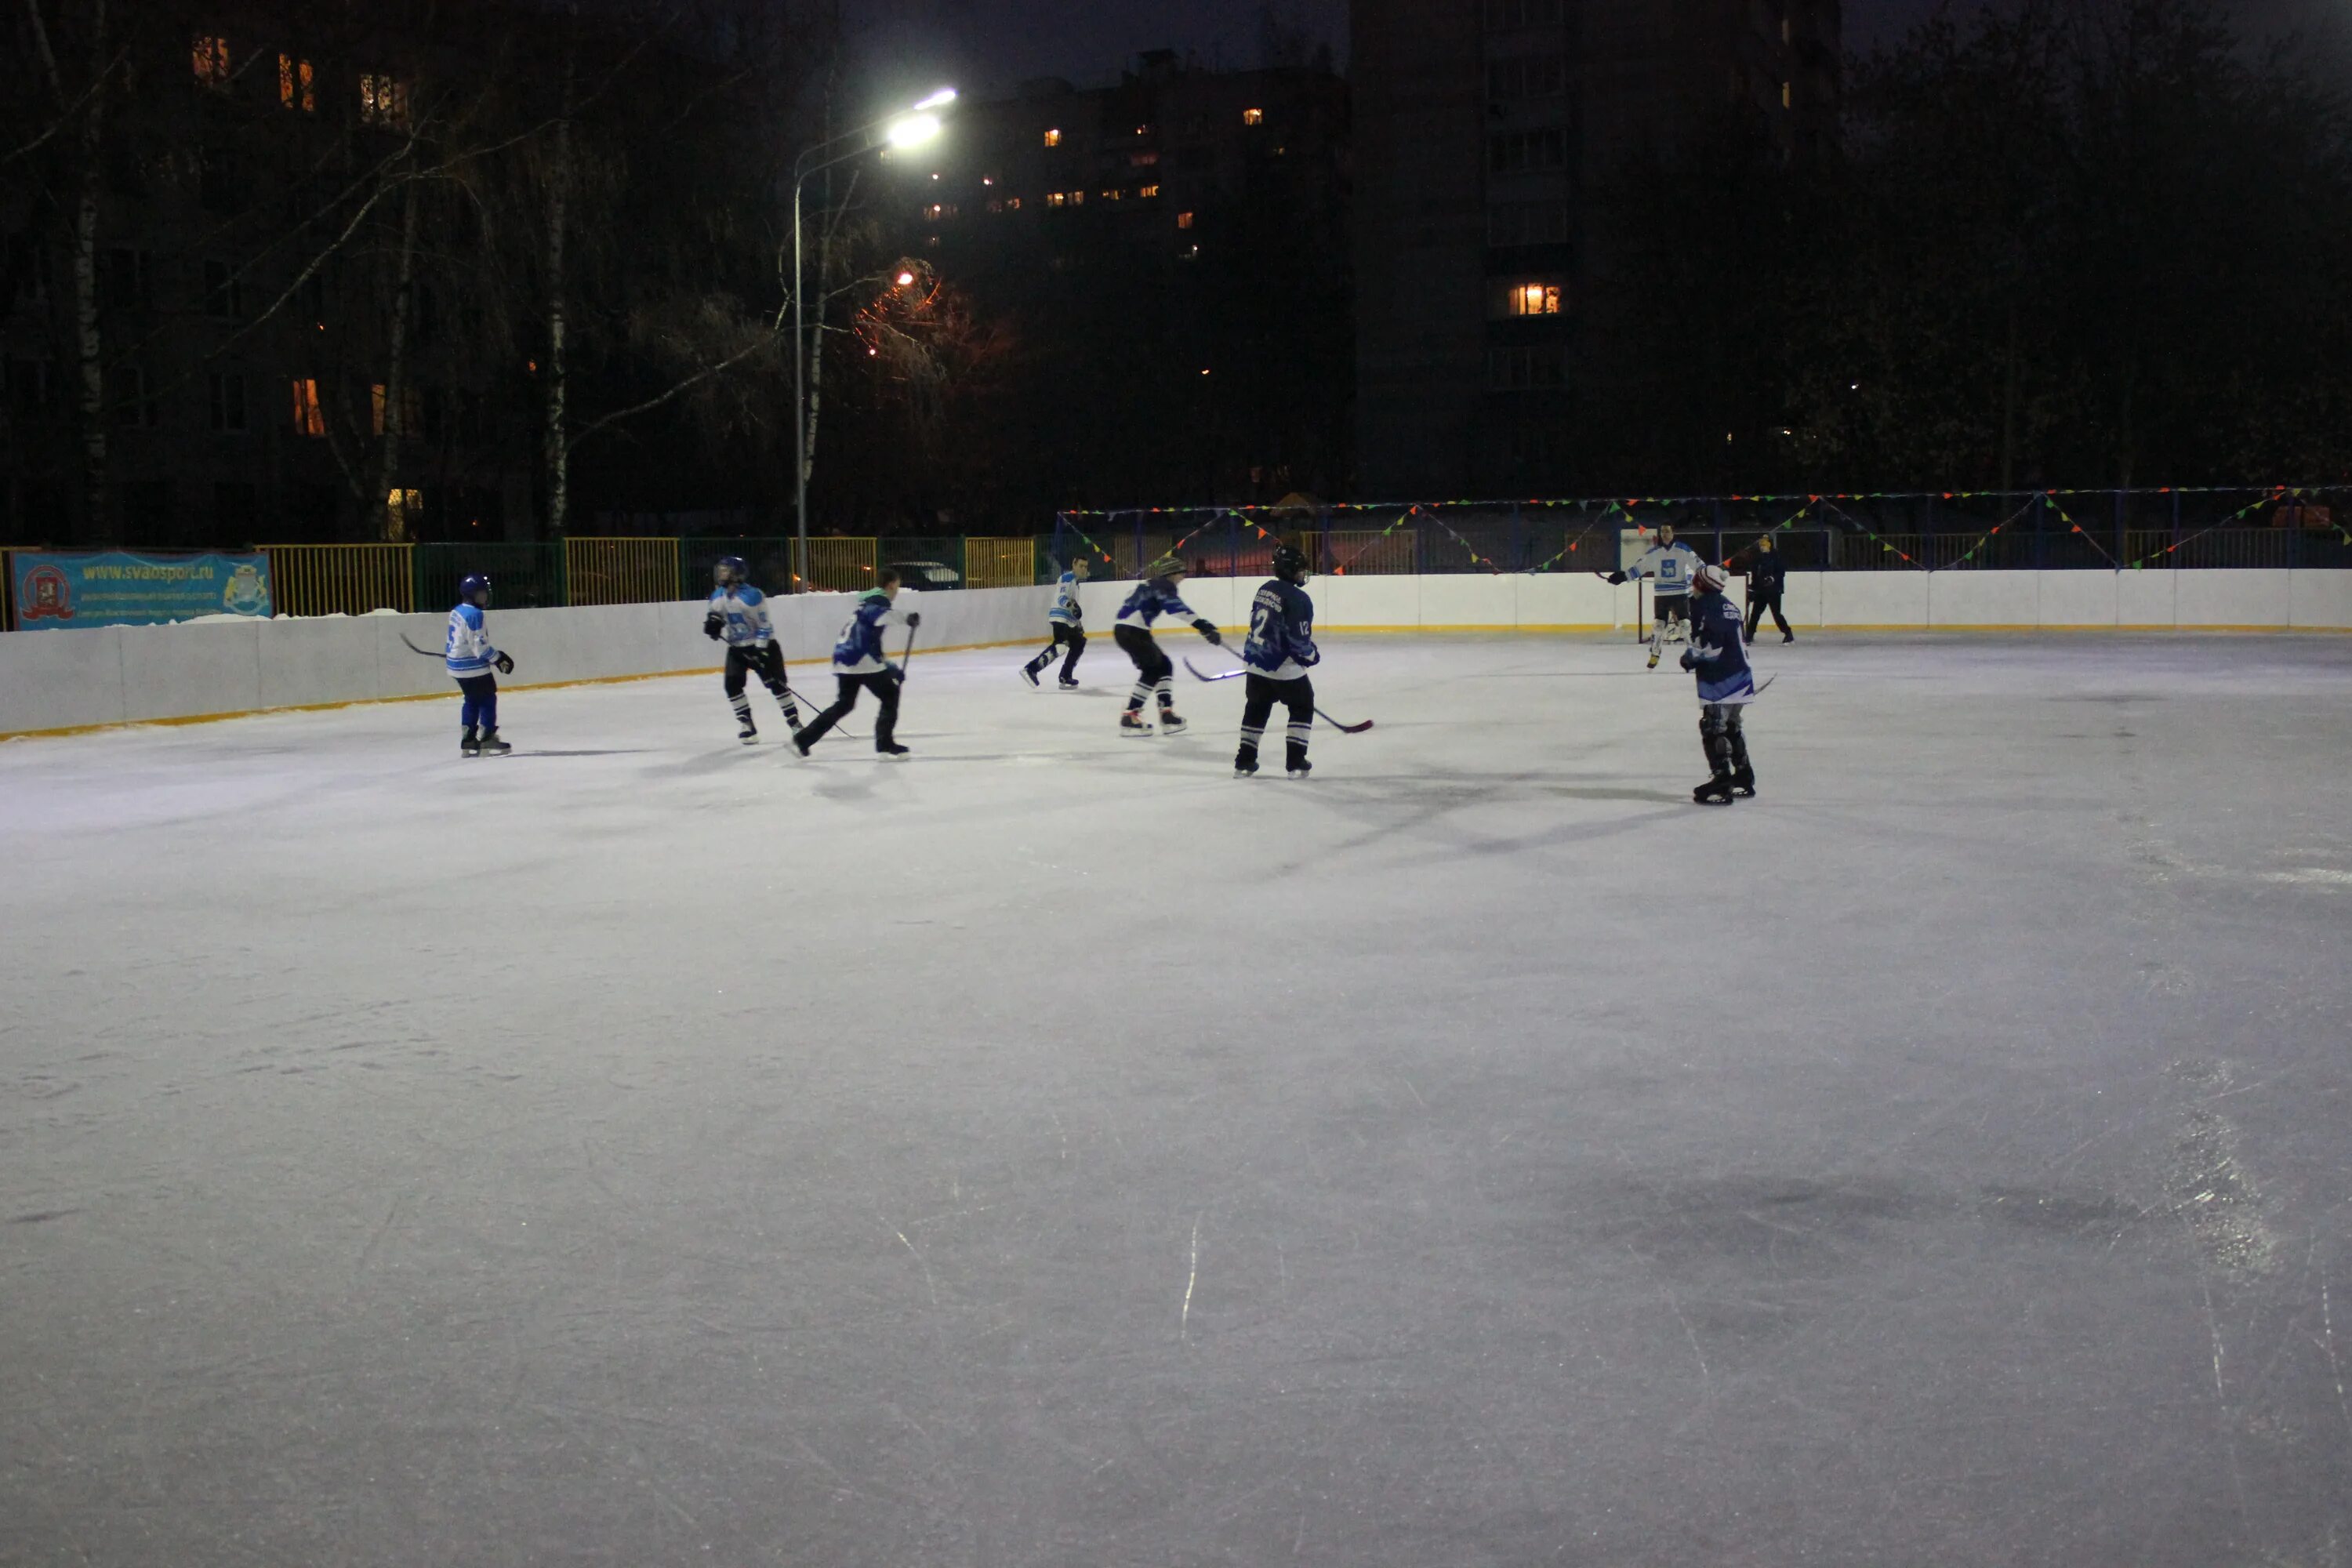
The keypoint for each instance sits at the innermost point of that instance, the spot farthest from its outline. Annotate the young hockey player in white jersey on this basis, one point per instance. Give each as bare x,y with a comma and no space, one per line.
1066,620
1155,673
471,661
1718,656
859,664
738,617
1670,567
1279,652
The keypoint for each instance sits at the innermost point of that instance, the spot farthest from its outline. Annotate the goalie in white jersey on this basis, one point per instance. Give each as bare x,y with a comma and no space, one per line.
1671,568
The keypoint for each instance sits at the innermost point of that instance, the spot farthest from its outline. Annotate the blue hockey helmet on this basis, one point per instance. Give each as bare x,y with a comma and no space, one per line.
730,569
1289,562
474,590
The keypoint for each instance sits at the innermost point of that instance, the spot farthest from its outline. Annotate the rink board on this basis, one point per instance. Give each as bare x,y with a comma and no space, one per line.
54,680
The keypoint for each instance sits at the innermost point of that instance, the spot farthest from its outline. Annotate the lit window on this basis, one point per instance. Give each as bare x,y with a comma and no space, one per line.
210,56
1112,195
1183,220
1055,198
939,210
1787,94
1141,160
310,419
1535,299
383,101
1146,190
1077,198
297,87
1788,31
402,508
1253,117
412,407
1053,139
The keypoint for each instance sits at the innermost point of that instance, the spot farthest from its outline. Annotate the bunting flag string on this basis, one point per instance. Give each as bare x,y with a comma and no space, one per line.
1063,518
2270,492
1969,554
1874,537
2088,537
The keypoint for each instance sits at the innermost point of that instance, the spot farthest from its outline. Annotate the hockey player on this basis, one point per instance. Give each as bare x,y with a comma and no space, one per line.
738,617
1669,567
1279,652
1066,619
859,664
1154,673
1718,655
471,661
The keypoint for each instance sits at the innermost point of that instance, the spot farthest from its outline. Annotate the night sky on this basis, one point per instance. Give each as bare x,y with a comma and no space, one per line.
988,47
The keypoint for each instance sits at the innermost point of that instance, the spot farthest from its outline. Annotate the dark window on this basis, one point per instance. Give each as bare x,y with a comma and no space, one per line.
133,394
126,279
224,292
147,510
1519,152
1539,76
1527,223
221,186
1528,368
228,402
32,391
28,265
1509,16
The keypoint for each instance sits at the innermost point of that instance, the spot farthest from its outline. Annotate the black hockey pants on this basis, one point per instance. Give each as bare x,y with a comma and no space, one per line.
1154,670
1720,731
1260,693
884,684
1064,635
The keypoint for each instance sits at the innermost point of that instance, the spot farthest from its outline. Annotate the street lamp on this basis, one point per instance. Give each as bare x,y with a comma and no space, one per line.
909,128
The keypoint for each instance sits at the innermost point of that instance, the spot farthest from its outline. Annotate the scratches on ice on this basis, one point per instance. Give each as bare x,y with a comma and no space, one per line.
1191,1277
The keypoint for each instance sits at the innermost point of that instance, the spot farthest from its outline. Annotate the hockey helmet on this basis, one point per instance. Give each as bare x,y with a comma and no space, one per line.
474,590
1290,562
1165,566
1708,579
729,570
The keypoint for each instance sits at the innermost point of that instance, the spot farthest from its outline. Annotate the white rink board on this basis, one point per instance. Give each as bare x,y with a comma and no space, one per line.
55,679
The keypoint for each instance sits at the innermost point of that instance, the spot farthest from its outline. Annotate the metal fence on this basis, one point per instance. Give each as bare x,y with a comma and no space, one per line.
2038,530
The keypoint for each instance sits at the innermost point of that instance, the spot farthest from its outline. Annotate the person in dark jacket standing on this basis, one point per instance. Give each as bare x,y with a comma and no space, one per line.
1765,577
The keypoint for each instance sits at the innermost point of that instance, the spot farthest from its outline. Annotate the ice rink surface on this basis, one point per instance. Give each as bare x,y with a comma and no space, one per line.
1049,1150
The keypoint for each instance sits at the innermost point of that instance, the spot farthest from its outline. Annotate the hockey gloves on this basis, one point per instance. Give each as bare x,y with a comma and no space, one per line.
914,619
1690,659
503,664
714,625
1616,577
1208,630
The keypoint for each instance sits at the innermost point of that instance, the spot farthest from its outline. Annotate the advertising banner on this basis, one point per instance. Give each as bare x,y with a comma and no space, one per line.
115,588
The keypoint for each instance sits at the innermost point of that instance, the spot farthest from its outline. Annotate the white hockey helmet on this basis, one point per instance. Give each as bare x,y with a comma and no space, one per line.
1709,578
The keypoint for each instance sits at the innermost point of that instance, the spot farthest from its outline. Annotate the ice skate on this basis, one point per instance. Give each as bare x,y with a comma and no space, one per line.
1300,768
492,746
1717,791
1131,726
1171,722
470,745
1743,782
749,734
1067,683
1245,765
1788,636
1029,674
889,750
1654,658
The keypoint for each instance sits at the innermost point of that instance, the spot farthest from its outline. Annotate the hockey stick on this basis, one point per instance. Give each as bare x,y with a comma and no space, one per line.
425,651
1336,725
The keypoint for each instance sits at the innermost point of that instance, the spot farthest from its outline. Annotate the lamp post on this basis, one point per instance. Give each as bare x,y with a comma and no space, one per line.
910,128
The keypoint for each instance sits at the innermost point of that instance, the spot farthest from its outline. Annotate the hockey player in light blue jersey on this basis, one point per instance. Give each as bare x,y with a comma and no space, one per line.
738,617
1280,651
1066,620
1155,672
476,666
860,664
1670,568
1718,655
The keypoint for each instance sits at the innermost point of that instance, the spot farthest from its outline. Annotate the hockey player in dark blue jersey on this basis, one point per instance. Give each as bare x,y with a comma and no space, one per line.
1279,652
738,617
1718,655
1155,673
1067,622
860,664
